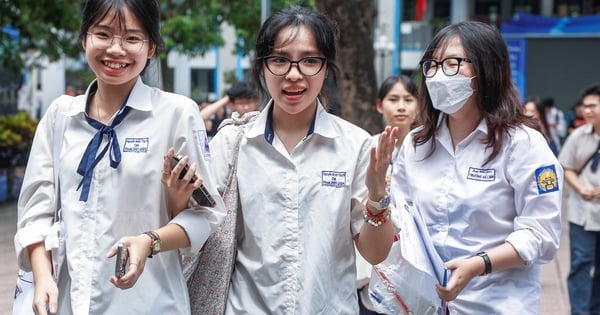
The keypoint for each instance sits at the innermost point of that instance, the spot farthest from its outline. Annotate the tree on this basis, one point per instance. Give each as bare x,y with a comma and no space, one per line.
194,26
357,83
190,27
48,26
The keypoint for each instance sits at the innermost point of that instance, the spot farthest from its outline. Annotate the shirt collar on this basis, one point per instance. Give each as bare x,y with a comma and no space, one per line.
139,98
588,128
443,134
322,124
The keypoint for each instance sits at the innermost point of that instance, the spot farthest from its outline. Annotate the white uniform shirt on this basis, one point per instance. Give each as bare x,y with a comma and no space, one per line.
124,201
578,148
469,207
300,212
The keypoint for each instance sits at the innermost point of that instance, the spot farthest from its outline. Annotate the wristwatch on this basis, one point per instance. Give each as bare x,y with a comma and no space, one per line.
384,203
487,262
156,243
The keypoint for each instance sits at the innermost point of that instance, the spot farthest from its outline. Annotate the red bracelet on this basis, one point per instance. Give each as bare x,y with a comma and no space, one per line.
376,219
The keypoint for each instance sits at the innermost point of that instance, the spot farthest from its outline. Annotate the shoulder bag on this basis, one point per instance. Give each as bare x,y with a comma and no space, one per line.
208,273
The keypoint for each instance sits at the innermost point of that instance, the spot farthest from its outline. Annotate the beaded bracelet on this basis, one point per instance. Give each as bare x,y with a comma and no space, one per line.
376,219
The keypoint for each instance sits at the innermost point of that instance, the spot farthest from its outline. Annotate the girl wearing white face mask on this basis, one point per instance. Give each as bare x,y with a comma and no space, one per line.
484,179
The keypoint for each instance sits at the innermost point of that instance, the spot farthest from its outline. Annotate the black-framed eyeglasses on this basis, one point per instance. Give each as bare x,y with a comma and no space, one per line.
307,66
450,66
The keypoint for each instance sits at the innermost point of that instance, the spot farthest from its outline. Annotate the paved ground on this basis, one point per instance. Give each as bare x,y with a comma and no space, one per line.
555,300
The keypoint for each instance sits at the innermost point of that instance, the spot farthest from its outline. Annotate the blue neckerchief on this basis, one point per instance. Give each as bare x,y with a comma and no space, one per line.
596,160
91,157
270,133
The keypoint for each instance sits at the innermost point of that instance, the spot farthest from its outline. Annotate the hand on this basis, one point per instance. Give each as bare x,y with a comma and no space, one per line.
139,247
586,193
179,190
462,271
379,163
596,192
46,296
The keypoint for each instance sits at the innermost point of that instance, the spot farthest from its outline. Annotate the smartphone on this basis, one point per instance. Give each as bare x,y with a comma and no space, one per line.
121,261
201,195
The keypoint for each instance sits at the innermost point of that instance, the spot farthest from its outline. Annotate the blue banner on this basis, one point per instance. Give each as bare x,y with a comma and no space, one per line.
517,53
530,23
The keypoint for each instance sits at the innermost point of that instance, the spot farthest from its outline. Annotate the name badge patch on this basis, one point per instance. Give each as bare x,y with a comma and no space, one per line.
136,145
333,179
482,174
546,179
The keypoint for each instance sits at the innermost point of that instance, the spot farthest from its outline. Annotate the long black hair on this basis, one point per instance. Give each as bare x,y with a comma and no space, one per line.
497,96
324,30
146,11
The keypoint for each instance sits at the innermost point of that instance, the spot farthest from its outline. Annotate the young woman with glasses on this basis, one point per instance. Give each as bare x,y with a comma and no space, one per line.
301,173
484,179
110,172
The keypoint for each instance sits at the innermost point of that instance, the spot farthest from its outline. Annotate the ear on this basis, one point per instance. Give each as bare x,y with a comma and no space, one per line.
83,43
152,50
379,106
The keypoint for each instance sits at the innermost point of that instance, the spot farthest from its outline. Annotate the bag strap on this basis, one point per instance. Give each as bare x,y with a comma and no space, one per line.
236,120
590,158
239,122
60,122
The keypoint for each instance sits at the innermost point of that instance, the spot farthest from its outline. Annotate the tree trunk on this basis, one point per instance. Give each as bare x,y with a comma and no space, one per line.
357,83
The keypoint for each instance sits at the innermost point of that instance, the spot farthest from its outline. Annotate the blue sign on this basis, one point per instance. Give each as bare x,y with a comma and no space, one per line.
517,53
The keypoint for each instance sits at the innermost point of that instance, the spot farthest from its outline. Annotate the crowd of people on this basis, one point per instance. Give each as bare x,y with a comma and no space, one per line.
315,193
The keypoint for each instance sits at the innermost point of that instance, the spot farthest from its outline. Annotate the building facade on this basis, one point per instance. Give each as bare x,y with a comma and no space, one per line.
545,61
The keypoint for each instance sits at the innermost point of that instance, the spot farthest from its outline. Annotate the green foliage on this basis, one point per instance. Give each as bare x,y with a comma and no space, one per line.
49,26
191,26
188,26
16,131
16,137
245,16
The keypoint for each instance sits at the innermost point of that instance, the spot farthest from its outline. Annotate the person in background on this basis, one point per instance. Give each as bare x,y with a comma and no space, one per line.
580,158
578,119
397,102
557,128
243,97
302,173
482,177
213,114
69,90
116,197
534,108
203,105
38,102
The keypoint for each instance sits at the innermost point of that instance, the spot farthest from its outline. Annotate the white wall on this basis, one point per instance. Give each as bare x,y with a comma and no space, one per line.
53,82
221,58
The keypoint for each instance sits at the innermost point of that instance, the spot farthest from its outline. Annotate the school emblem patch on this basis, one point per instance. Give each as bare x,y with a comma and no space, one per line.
546,179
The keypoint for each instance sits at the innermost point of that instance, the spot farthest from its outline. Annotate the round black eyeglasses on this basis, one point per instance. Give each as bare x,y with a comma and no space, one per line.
450,66
281,66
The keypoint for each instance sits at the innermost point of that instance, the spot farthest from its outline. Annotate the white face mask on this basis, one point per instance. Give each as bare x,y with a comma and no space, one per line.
449,94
